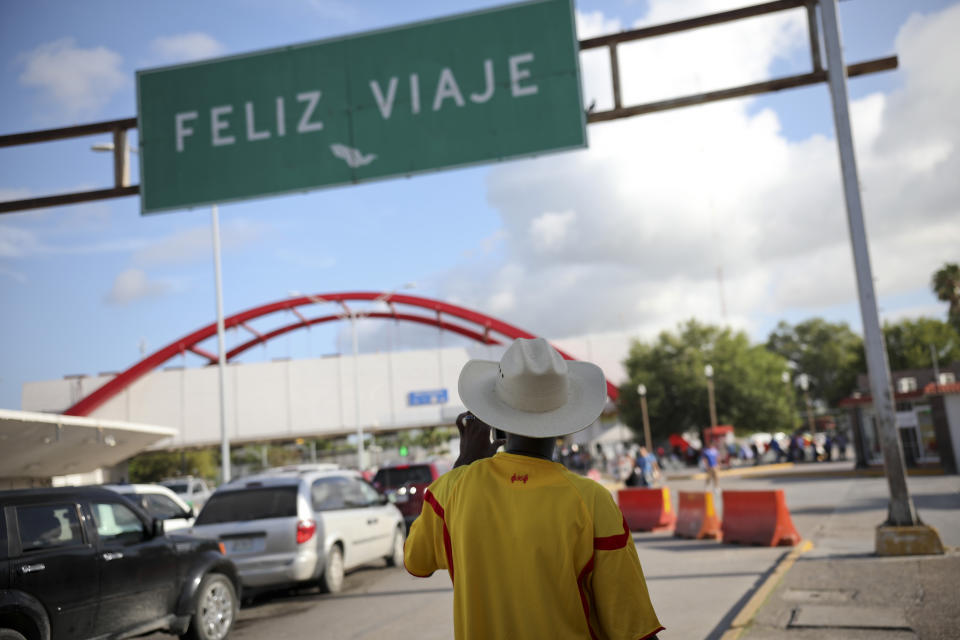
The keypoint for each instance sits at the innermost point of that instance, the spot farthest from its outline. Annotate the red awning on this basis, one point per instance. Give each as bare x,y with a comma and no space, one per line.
678,441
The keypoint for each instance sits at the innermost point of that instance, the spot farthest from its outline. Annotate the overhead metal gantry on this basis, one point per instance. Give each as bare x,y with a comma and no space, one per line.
817,74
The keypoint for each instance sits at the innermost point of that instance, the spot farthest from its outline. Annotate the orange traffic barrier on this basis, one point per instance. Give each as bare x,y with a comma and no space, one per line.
758,517
697,516
647,509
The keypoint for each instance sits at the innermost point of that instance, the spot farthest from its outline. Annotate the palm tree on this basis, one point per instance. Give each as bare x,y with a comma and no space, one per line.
946,284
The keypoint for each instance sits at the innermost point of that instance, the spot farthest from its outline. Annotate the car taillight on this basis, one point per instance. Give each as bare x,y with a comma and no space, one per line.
223,550
305,530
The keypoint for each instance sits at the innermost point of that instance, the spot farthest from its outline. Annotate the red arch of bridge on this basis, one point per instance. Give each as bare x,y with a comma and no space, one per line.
487,324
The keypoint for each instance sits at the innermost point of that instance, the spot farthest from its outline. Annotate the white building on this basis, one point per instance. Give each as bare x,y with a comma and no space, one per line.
314,397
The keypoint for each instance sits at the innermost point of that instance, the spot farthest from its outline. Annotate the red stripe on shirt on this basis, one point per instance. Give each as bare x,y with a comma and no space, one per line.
581,579
432,501
652,633
612,543
447,547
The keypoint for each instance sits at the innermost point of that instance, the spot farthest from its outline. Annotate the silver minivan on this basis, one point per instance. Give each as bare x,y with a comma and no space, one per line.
302,524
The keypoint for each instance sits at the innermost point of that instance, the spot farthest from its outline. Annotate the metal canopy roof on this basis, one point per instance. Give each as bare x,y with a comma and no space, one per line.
43,445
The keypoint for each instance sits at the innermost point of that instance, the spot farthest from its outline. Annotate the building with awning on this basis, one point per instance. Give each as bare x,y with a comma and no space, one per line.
928,419
37,447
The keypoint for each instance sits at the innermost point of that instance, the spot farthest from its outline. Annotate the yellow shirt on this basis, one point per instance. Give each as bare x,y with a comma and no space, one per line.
533,551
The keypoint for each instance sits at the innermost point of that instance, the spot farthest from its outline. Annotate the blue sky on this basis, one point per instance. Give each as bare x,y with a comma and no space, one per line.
626,235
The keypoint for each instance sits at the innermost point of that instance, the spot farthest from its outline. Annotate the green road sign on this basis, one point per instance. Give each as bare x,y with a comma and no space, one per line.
467,89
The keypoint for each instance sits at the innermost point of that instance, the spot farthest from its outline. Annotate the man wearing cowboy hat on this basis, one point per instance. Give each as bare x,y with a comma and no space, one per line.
533,550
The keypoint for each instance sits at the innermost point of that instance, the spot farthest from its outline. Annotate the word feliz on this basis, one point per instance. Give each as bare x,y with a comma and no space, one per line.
447,90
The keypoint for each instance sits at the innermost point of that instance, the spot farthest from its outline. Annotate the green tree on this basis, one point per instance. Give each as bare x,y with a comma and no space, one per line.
908,343
434,438
748,389
946,284
157,465
831,354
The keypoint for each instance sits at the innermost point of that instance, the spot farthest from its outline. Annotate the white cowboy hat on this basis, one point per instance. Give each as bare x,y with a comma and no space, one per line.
533,391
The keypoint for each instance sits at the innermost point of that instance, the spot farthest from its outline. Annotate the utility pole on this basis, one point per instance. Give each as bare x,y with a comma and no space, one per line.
805,385
221,350
708,372
903,533
642,390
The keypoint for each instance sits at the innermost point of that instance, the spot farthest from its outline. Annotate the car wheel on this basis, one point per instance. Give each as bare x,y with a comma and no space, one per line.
216,609
10,634
332,579
395,559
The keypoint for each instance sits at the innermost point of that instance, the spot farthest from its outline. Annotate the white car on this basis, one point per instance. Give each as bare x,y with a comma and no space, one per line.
159,502
301,524
193,491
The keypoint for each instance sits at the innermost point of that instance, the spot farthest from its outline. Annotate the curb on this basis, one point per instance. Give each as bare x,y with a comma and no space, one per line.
769,471
743,619
850,473
736,471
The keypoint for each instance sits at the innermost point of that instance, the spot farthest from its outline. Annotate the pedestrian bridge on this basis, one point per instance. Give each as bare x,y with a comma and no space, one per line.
312,397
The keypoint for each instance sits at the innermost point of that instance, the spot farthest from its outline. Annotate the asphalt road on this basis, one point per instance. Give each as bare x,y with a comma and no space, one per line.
697,587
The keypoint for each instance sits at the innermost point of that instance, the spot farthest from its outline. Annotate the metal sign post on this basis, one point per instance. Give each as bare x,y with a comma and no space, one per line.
221,350
901,510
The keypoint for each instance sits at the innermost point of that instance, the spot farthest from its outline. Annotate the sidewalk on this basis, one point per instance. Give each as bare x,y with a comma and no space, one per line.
839,590
854,597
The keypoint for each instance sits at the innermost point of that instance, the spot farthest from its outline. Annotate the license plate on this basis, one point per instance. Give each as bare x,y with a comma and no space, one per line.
400,497
243,545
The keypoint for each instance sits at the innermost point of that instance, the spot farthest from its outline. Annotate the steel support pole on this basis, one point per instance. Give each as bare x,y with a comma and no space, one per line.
646,423
901,511
356,390
221,350
713,405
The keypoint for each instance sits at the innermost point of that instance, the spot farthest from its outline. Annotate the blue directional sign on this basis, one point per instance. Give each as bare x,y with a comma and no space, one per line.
432,396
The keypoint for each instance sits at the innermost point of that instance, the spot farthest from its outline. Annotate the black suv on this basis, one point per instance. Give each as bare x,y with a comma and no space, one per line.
84,562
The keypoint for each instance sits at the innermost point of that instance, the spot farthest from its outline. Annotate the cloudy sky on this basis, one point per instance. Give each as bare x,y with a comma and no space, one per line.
630,234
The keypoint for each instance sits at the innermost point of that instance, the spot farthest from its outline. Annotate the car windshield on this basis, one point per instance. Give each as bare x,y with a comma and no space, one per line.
176,487
249,504
399,476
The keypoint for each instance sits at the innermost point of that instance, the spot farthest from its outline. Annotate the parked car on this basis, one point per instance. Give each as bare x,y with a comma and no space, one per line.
193,491
160,503
84,562
405,485
309,523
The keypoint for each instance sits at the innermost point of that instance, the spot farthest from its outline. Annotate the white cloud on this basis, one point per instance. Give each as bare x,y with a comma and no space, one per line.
550,231
306,261
186,47
341,11
133,284
78,81
631,232
196,243
13,275
18,242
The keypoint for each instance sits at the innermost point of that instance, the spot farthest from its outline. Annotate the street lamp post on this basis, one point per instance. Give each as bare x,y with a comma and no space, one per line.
121,178
791,404
708,372
356,390
805,385
642,390
353,316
